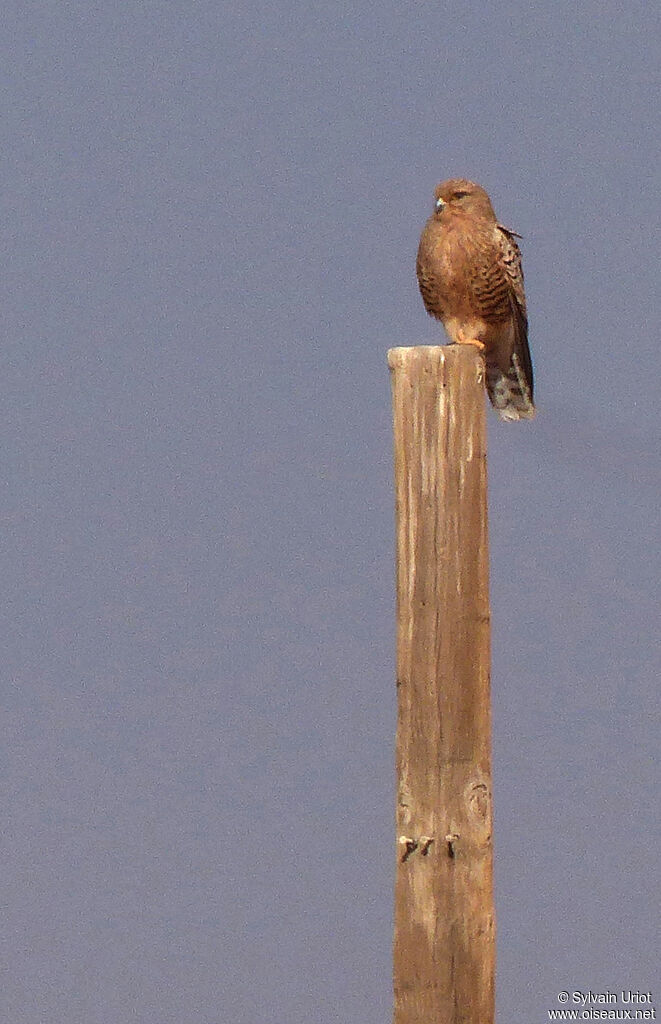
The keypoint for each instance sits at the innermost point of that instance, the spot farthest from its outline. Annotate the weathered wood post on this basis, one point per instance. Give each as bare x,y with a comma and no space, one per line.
444,948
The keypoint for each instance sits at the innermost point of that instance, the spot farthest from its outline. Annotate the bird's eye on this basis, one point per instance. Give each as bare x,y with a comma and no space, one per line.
460,195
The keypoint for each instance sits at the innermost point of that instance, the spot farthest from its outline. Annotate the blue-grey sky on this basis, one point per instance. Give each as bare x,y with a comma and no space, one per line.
209,231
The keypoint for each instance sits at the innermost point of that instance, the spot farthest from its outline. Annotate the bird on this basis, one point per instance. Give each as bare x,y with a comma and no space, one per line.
471,279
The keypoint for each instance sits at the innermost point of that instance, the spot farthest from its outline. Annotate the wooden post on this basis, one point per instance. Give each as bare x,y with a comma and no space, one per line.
444,948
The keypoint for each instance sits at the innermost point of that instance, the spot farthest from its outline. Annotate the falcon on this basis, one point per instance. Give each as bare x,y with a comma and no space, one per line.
471,279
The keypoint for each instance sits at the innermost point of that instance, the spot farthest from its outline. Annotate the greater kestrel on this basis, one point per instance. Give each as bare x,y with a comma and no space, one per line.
470,277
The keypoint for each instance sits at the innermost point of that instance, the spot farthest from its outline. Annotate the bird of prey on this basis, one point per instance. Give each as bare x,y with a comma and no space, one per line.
470,277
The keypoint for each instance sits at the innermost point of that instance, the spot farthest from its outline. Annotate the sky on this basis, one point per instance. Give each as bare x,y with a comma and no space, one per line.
210,218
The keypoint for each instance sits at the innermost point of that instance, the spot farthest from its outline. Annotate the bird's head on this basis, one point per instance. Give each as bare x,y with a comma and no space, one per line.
462,196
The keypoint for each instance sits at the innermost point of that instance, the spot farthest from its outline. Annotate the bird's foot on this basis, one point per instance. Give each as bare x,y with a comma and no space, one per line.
479,345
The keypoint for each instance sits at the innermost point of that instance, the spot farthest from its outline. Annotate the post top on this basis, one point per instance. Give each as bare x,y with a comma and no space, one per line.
433,356
405,353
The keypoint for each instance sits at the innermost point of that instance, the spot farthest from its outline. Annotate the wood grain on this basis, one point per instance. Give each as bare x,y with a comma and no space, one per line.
444,945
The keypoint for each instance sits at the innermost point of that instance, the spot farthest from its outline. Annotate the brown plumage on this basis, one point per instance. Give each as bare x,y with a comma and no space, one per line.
470,277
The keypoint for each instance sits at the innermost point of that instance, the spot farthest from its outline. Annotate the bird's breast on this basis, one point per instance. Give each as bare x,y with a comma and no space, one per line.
459,274
443,271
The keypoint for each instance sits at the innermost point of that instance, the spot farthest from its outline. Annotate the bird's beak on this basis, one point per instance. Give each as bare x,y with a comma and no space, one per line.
439,205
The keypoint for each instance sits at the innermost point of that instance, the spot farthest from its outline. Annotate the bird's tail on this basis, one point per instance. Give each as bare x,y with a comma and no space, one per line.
511,393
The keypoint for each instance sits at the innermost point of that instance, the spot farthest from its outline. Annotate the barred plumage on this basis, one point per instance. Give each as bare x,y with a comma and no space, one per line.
471,278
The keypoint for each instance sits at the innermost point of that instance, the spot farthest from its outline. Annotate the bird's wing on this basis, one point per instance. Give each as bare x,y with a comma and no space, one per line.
510,259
